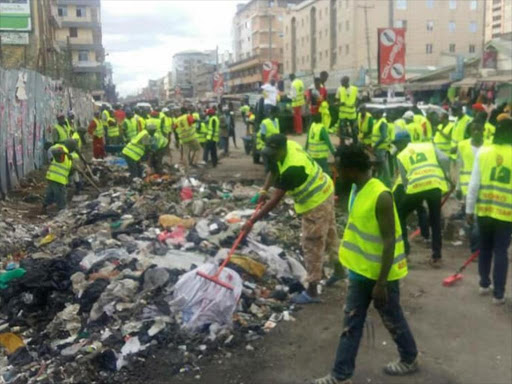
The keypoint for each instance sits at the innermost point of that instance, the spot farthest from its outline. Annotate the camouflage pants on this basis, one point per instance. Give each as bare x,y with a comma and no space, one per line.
319,237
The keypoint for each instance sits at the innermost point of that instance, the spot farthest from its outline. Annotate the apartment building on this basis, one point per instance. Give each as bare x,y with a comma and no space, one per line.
186,66
80,36
498,20
341,35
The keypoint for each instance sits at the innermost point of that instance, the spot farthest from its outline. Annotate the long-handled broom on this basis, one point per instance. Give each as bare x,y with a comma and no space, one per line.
449,281
216,278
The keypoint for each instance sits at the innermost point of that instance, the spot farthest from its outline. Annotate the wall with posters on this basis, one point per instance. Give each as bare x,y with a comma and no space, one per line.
29,103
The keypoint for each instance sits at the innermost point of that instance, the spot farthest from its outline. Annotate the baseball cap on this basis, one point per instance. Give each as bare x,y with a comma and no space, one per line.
274,144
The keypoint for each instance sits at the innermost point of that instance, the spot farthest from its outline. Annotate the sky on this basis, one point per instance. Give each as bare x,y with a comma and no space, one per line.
141,36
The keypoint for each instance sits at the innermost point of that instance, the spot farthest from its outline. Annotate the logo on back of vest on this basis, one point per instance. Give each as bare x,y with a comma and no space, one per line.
499,173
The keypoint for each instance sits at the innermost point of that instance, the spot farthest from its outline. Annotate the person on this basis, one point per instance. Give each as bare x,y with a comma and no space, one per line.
231,122
113,132
381,141
159,144
459,128
324,106
481,116
314,97
294,172
347,99
155,119
136,150
212,138
61,164
119,114
268,128
201,130
141,119
298,101
105,114
443,136
412,127
187,137
97,131
270,95
60,131
318,143
250,120
364,125
490,199
244,109
129,125
423,170
373,253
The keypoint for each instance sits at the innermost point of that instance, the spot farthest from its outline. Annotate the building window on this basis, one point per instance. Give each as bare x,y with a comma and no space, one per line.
400,23
430,25
62,11
428,49
471,48
80,11
473,5
347,25
319,14
320,34
496,18
472,26
320,55
430,3
83,55
326,53
451,26
340,49
347,49
452,48
401,4
73,32
453,4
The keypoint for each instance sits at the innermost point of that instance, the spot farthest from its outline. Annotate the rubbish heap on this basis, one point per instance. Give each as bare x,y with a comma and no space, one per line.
95,291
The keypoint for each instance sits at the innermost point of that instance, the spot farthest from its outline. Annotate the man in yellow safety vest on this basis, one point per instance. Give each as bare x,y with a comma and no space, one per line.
268,128
373,252
186,130
212,137
60,130
443,136
137,149
365,125
347,100
298,102
318,143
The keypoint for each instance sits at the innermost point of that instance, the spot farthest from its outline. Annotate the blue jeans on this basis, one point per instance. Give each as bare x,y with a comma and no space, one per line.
494,239
359,298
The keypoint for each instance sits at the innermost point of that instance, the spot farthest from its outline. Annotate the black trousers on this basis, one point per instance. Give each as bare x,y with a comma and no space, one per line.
412,202
399,196
210,148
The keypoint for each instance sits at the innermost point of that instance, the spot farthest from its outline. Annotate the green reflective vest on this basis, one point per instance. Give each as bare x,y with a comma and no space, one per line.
134,149
62,131
166,125
78,139
317,187
272,129
317,147
156,121
130,128
349,97
362,245
424,127
99,131
442,143
186,132
298,100
495,193
467,156
423,170
212,133
459,131
112,130
365,136
376,136
160,141
59,172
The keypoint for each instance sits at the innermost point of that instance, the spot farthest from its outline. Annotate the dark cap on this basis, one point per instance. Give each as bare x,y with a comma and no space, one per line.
274,144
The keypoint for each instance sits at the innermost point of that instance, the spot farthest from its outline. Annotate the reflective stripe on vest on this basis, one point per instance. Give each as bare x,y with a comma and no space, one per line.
442,143
362,245
376,136
423,170
167,125
349,97
317,147
317,187
112,131
495,193
299,99
99,131
160,141
467,156
272,129
213,132
186,132
156,121
134,150
62,131
59,172
130,128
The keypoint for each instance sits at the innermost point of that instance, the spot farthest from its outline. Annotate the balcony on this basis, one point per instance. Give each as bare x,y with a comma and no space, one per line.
81,24
87,67
81,46
88,3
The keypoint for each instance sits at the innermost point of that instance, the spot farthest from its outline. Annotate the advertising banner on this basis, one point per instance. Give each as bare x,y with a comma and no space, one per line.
391,55
218,83
15,15
270,71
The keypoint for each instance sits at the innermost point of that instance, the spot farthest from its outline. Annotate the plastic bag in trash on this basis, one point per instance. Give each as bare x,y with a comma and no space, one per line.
203,302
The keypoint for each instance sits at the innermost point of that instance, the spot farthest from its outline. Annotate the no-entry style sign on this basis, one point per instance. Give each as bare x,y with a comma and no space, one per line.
391,55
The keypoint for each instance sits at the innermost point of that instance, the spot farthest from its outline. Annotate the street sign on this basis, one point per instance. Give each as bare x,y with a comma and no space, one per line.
391,55
15,15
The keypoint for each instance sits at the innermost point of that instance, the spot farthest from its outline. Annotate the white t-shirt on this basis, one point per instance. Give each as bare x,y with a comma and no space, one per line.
270,94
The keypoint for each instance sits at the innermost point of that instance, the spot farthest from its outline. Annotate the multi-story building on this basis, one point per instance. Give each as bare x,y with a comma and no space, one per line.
203,82
80,36
185,67
498,18
341,35
257,33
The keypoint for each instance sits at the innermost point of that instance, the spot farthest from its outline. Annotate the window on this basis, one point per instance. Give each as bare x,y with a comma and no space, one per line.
451,26
320,34
83,55
320,55
326,53
319,14
472,26
340,50
430,25
73,32
471,48
347,25
453,4
496,18
62,11
400,23
430,3
80,11
401,4
452,48
428,49
473,5
347,49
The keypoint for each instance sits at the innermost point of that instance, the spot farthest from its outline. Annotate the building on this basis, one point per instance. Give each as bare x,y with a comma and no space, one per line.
203,81
340,36
80,36
498,18
185,67
258,35
109,86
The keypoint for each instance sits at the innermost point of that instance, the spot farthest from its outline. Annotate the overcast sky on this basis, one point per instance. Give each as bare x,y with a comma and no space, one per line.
141,36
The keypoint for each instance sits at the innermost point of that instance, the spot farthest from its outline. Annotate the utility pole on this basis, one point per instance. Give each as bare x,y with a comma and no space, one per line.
269,37
367,30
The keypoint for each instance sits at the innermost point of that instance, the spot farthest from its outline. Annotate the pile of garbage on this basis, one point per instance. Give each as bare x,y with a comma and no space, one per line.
102,286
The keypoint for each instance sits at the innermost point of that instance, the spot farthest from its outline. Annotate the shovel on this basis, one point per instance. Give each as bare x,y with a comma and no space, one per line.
449,281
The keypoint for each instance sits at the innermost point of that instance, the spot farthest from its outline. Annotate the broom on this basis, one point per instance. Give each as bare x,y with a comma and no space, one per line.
449,281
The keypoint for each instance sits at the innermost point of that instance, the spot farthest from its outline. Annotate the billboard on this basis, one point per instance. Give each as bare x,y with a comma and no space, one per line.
270,71
218,83
391,55
15,15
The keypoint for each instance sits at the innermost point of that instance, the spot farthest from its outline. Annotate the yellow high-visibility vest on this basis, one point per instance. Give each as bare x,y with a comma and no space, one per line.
376,136
459,131
442,143
59,172
134,149
62,131
299,99
186,131
213,133
272,129
130,128
349,97
317,147
467,156
99,131
365,136
112,131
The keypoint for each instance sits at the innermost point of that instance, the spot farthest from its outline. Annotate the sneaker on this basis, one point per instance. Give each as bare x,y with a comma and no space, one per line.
435,263
496,301
484,291
304,298
401,368
330,379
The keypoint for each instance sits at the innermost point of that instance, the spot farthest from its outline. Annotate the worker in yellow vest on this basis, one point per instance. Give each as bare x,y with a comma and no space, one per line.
382,137
413,127
61,163
295,173
459,131
347,100
105,114
137,150
365,123
159,144
60,131
423,170
443,136
113,132
130,127
212,137
186,130
490,199
318,143
268,128
373,252
250,121
155,119
244,110
167,123
298,102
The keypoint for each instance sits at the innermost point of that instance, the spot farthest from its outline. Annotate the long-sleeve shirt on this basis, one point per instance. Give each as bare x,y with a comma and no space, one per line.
444,162
474,186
